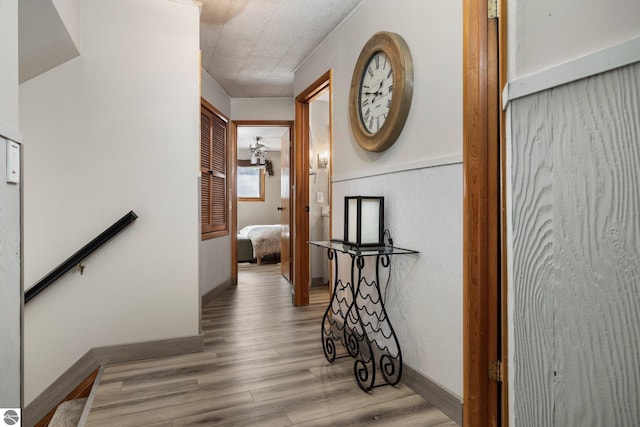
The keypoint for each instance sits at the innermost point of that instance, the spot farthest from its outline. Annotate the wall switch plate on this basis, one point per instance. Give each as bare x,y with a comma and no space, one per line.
13,162
320,197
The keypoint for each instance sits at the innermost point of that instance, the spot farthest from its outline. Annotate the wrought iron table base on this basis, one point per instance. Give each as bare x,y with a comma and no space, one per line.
356,317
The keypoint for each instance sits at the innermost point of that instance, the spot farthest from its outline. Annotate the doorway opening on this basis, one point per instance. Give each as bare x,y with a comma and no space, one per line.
302,154
319,186
260,152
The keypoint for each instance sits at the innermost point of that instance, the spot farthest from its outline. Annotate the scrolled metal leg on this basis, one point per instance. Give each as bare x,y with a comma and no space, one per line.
329,324
329,347
391,368
390,362
365,373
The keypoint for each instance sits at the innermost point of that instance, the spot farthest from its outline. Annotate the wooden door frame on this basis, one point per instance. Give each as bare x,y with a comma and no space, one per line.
233,170
484,265
300,226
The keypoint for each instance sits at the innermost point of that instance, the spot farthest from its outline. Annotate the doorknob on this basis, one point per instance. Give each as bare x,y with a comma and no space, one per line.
280,208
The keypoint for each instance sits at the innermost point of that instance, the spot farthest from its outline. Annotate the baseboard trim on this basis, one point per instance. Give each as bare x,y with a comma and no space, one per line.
433,393
213,293
148,349
100,356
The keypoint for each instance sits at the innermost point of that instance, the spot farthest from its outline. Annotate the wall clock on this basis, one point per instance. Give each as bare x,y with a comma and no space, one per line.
381,91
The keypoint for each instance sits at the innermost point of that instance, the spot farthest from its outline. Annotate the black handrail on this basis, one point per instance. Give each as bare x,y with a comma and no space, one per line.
77,258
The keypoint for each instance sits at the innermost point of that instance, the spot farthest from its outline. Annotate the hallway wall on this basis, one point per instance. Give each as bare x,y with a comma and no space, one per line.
113,130
574,241
214,266
9,69
420,176
11,288
576,238
546,33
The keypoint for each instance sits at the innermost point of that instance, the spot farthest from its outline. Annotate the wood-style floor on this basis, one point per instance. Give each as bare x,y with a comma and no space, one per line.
263,365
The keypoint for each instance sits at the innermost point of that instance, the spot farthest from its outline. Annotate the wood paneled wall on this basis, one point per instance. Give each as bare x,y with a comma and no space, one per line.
576,246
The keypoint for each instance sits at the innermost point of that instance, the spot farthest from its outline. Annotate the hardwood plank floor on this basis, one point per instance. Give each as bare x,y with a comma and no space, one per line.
263,365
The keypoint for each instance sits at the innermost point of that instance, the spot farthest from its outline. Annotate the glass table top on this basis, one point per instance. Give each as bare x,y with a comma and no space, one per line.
347,248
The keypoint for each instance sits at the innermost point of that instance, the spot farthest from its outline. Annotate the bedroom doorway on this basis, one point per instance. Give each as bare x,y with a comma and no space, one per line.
319,186
301,168
260,220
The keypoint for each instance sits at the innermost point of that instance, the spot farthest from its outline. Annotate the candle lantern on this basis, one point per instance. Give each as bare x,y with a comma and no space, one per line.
364,220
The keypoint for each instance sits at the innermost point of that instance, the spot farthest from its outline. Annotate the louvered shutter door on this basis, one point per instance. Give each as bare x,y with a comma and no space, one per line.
219,175
205,162
213,168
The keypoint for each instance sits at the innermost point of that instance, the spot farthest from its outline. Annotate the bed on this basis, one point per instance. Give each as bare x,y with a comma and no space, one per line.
256,242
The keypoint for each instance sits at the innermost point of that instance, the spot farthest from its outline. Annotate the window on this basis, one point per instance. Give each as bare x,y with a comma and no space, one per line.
250,184
213,171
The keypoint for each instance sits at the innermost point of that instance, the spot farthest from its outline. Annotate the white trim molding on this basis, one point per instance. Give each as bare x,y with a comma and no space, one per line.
432,162
607,59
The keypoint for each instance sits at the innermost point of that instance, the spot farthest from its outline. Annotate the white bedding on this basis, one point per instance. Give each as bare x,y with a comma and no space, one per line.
265,239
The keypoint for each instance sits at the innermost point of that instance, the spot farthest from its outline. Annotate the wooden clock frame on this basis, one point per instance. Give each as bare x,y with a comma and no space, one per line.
397,50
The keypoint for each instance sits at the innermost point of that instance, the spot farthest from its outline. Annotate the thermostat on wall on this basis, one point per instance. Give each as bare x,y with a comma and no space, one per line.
13,162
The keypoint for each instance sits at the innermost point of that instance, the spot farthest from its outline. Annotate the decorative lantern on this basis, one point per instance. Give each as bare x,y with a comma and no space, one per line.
364,220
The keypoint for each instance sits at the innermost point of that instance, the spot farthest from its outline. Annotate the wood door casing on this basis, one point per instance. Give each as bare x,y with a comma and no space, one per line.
300,231
233,170
285,205
484,262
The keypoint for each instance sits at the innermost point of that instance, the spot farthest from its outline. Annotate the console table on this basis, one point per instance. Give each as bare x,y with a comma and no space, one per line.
356,316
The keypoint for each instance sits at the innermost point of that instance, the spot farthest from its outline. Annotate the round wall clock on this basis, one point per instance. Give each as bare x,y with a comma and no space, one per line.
381,91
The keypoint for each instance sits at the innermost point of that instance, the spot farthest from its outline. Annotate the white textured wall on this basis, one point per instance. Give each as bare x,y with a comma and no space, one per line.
423,211
434,126
215,94
575,287
567,214
9,68
262,109
319,128
11,289
44,38
10,256
214,254
545,33
112,130
423,207
69,11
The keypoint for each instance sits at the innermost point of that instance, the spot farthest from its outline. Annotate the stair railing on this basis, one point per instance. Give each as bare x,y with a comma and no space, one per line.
77,258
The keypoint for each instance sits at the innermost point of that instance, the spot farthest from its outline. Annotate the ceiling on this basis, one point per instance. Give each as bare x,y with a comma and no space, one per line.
252,47
271,136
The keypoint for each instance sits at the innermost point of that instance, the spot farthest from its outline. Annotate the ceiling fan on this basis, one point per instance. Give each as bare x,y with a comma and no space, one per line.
258,151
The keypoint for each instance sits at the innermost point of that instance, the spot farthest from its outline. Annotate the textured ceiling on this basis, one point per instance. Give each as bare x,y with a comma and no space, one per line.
251,47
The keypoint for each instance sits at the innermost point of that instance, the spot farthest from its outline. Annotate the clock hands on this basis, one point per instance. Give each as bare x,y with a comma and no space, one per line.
378,92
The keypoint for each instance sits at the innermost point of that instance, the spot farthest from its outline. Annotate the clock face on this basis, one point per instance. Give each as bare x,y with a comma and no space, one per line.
376,92
381,91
